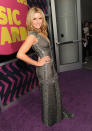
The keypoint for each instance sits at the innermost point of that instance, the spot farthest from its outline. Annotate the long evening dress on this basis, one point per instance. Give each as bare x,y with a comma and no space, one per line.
48,81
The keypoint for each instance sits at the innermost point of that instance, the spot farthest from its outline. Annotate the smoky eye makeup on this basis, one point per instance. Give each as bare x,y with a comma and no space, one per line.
40,18
34,18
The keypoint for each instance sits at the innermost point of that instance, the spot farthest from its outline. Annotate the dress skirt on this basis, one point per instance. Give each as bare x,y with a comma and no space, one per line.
50,93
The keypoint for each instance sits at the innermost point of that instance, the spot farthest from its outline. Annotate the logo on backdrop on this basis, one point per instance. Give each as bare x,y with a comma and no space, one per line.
22,2
12,25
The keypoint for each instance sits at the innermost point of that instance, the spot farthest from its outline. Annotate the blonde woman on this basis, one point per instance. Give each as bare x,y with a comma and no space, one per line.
52,110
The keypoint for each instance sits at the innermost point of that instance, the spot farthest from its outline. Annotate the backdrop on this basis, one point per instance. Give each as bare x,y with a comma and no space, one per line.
12,25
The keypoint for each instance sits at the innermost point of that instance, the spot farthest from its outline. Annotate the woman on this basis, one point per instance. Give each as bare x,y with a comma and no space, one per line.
85,45
52,110
90,40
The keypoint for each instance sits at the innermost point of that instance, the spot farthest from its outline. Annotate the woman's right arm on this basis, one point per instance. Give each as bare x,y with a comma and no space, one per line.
30,40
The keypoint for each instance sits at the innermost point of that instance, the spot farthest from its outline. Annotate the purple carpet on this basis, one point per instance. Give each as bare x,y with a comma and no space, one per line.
25,114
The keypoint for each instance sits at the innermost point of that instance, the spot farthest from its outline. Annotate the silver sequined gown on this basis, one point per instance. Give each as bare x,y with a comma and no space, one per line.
48,81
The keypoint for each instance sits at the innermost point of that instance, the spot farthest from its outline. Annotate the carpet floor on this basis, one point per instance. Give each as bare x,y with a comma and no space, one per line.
76,89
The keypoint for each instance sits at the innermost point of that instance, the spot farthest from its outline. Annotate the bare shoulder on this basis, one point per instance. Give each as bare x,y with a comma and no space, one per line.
31,39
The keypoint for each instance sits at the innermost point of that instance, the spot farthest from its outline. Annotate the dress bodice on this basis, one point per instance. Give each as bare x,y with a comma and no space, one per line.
42,47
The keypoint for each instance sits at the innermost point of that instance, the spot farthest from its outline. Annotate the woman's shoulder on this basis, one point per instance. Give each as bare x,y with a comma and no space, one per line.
32,33
35,34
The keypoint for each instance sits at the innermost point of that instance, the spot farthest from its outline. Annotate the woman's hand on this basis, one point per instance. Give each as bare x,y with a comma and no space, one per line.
43,61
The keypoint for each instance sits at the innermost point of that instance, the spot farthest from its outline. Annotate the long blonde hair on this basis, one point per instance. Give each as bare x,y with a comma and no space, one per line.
44,26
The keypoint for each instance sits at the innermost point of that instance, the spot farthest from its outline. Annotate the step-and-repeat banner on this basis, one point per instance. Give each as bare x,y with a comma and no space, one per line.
12,25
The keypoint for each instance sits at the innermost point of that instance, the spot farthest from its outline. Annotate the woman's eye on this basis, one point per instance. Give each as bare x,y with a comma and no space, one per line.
34,19
40,18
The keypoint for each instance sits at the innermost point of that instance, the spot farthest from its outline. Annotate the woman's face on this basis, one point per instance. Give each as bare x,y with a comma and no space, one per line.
37,20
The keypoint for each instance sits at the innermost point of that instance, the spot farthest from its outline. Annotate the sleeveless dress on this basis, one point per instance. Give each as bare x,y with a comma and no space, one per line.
48,81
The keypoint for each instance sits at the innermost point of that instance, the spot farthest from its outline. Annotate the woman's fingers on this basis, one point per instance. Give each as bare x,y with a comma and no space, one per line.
46,58
43,60
39,58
